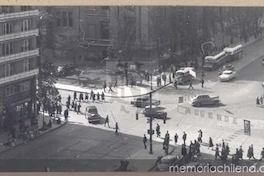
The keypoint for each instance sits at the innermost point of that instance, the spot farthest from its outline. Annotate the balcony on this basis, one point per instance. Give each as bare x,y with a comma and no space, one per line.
18,35
96,42
18,56
19,76
9,16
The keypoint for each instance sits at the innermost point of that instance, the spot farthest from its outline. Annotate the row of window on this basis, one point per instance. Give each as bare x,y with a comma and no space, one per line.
15,68
64,19
10,9
7,47
8,27
17,88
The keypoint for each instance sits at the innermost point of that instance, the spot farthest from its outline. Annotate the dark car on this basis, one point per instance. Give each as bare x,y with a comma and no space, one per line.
92,114
226,67
66,70
155,112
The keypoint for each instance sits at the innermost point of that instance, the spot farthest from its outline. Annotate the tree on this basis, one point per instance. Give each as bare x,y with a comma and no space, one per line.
68,46
47,80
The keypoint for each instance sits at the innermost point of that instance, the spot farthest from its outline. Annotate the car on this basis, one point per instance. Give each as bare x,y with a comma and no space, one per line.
66,69
144,101
166,162
227,75
226,67
200,100
155,112
262,62
91,113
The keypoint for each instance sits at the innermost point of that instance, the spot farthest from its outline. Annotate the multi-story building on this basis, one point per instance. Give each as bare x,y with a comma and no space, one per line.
18,66
89,25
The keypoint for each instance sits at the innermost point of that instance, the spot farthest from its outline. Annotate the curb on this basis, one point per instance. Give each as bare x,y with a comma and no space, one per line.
153,167
21,143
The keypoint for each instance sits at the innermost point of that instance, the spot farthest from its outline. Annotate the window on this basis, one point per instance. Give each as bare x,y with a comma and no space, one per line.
105,30
24,86
70,20
9,90
105,7
25,45
7,28
58,14
8,9
91,31
26,65
64,19
6,49
130,8
7,70
25,8
25,25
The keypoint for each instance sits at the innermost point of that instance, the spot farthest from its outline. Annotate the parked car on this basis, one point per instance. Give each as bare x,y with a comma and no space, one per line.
92,115
155,112
226,67
227,75
142,102
200,100
66,69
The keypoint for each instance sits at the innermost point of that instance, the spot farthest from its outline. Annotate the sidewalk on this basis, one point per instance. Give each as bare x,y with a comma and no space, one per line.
20,141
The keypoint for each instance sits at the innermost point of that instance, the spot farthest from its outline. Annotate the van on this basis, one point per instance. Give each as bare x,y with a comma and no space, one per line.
183,75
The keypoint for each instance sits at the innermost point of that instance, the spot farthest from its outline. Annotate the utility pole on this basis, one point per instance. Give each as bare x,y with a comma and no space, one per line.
150,122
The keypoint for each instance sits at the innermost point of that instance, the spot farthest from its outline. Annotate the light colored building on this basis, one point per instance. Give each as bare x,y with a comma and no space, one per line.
18,65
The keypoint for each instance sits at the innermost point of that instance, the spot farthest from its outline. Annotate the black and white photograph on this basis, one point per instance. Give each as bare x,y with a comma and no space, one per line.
131,88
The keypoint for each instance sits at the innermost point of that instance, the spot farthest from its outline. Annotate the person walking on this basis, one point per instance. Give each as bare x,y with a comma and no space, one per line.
104,86
210,143
184,137
227,149
115,85
240,153
176,84
167,137
261,100
202,82
72,105
250,153
91,94
107,121
216,151
79,108
116,128
81,97
164,119
66,113
98,96
175,138
86,96
110,88
190,86
75,106
158,130
68,105
261,154
170,78
145,141
102,96
69,98
200,135
74,95
223,143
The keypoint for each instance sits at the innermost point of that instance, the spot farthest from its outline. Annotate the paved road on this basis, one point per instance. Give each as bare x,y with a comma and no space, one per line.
75,147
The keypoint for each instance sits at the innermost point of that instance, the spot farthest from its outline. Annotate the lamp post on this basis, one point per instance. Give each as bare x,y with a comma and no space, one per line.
203,56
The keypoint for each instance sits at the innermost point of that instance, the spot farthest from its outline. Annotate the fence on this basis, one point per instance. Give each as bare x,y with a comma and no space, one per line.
210,115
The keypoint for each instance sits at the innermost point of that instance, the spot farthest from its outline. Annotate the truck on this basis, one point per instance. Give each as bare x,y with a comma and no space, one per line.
200,100
142,102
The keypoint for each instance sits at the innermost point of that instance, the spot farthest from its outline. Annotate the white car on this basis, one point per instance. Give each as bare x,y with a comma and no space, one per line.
227,75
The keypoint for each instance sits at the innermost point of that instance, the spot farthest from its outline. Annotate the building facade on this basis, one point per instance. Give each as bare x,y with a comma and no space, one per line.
18,67
88,25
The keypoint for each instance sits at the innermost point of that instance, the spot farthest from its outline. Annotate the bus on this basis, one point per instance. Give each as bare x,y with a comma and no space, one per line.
213,62
183,75
234,53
